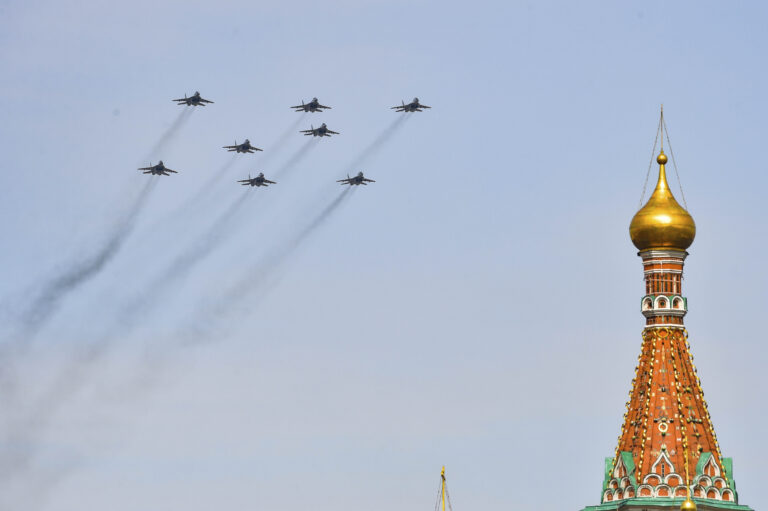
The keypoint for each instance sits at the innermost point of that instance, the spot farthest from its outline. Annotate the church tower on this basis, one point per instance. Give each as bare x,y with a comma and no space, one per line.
667,455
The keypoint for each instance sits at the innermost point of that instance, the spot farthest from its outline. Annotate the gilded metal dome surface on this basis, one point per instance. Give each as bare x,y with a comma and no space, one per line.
662,223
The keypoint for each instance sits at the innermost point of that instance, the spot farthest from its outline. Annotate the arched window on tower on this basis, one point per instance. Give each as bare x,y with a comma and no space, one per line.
711,469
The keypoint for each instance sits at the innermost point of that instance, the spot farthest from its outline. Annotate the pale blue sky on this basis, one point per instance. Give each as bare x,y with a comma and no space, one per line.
477,307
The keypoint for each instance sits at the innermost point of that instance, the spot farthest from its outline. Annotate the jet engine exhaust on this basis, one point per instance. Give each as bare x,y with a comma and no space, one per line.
42,307
184,263
284,137
258,274
290,246
169,135
48,300
210,183
295,159
24,431
379,142
22,436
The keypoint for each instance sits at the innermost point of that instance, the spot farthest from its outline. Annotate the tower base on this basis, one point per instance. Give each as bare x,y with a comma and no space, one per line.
657,504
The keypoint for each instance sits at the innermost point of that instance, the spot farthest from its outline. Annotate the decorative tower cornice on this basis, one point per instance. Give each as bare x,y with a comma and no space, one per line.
667,453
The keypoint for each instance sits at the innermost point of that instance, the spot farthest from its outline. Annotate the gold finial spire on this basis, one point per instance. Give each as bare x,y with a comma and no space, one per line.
662,223
442,486
661,127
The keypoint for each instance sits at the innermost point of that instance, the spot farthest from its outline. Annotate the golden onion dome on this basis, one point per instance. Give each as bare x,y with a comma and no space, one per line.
662,223
688,505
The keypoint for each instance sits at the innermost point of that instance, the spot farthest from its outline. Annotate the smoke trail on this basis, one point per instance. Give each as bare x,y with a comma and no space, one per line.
291,163
218,175
17,462
47,302
22,434
257,275
21,440
372,148
209,183
183,264
169,135
292,244
49,299
288,134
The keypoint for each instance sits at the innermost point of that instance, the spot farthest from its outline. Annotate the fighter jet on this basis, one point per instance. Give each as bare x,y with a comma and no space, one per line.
157,170
245,147
312,106
359,179
413,106
322,131
194,100
259,180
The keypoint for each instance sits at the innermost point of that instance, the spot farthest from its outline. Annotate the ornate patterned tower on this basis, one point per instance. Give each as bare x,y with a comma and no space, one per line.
667,455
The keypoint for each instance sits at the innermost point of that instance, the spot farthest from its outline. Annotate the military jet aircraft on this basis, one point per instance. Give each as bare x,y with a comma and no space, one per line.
245,147
193,100
322,131
359,179
157,170
259,180
312,106
413,106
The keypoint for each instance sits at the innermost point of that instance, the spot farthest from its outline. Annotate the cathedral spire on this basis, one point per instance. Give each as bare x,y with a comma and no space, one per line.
667,451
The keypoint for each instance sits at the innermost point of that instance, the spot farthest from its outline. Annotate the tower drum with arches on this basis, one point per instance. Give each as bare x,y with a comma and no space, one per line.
667,455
